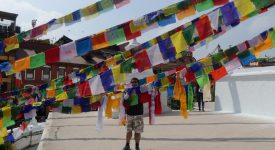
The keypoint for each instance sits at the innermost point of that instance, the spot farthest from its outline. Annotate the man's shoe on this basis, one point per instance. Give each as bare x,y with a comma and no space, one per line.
126,148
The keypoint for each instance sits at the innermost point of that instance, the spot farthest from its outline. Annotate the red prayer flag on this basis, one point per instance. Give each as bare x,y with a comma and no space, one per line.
158,108
219,73
142,61
220,2
127,31
190,76
144,97
38,31
84,89
203,27
52,55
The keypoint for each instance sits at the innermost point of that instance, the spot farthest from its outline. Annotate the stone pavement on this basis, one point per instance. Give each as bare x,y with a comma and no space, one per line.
203,130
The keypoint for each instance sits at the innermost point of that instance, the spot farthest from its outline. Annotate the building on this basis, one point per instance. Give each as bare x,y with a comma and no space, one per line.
38,76
7,28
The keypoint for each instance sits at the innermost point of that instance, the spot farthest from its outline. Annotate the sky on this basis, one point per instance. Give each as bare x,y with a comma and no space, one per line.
44,11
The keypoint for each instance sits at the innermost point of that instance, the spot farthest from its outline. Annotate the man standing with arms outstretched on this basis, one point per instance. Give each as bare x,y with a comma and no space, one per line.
134,111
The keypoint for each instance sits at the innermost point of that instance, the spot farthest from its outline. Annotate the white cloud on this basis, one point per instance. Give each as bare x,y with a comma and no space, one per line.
26,12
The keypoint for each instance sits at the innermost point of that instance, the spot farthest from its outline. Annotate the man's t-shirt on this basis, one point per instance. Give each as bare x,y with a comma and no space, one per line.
135,106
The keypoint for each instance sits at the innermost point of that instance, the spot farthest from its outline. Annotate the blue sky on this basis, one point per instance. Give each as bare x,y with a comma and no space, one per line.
44,11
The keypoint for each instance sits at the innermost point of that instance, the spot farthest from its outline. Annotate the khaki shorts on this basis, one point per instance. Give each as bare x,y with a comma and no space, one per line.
135,123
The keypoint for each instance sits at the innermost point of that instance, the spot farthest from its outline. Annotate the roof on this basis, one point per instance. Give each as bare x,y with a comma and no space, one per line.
8,16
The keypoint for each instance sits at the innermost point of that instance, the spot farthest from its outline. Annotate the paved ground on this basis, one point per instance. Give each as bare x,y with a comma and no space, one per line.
203,130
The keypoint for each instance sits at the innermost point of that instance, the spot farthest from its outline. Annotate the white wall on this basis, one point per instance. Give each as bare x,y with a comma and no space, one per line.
250,91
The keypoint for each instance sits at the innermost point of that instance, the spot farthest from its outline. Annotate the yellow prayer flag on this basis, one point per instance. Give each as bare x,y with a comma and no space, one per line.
89,11
164,81
118,77
170,10
245,7
186,12
22,64
68,18
138,25
1,141
108,110
116,101
11,43
76,109
3,132
180,94
265,45
208,66
62,96
110,62
6,112
179,41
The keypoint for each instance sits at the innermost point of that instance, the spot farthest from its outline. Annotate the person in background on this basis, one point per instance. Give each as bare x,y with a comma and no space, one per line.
134,111
200,98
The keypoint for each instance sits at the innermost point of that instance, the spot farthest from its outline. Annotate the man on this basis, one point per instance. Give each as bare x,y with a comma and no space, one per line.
134,111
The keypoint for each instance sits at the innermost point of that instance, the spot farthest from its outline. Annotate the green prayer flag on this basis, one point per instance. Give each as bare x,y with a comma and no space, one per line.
188,33
218,57
190,97
15,110
8,122
59,82
71,93
21,36
133,99
66,110
56,104
183,5
207,4
116,36
244,54
105,5
170,10
202,80
37,60
261,3
127,66
231,51
272,33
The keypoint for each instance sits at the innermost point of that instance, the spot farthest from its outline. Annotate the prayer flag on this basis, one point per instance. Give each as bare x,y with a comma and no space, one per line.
84,89
107,80
232,65
68,51
37,60
83,46
142,61
189,76
214,18
259,4
203,27
202,80
207,4
128,33
127,66
11,43
245,7
89,11
188,33
100,41
120,3
22,64
167,50
52,55
118,76
189,11
207,64
138,25
96,85
154,55
61,95
170,10
167,20
219,73
230,14
115,36
105,5
38,31
179,42
220,2
265,45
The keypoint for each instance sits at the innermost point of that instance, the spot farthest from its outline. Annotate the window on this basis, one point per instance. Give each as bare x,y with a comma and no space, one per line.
75,69
46,73
61,72
30,74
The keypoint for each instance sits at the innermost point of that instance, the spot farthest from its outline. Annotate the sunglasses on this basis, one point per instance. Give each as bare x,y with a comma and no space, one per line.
134,82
